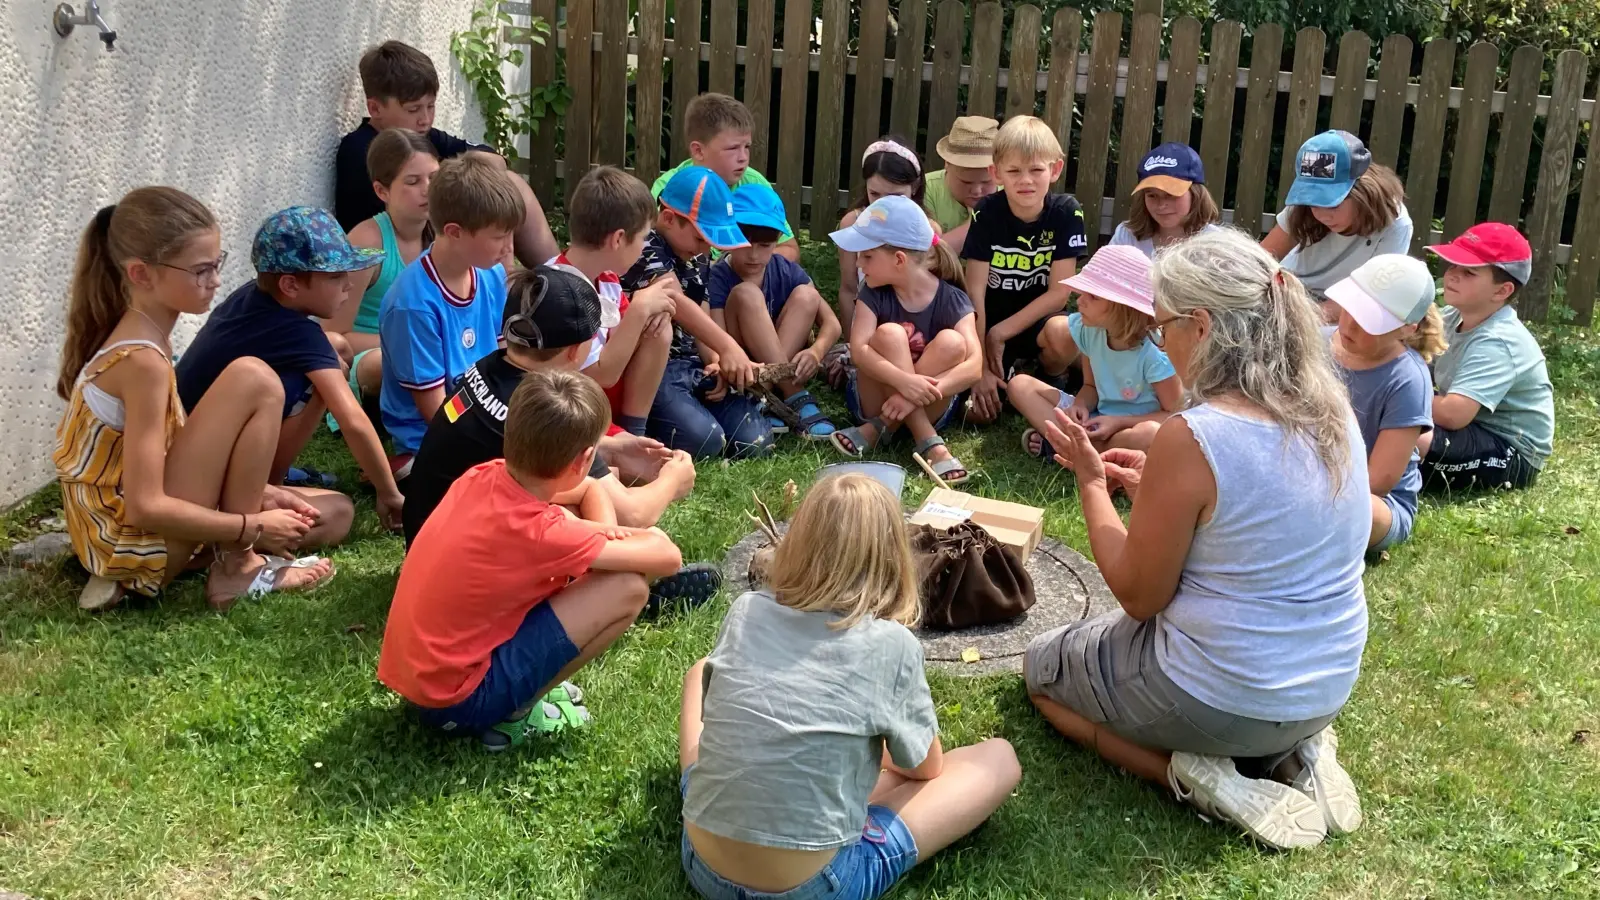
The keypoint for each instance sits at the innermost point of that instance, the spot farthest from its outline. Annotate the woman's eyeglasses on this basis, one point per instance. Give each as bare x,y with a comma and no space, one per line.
204,272
1158,334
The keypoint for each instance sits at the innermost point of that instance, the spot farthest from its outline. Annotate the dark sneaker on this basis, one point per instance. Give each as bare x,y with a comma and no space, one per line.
689,587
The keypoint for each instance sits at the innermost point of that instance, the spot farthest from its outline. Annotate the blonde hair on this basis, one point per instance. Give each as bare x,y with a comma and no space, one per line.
154,224
1202,212
941,260
1377,195
1027,138
1265,343
1428,340
475,194
1126,325
710,114
846,552
553,417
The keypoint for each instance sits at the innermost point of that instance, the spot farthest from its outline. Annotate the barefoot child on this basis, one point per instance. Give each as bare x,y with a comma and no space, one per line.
808,741
1389,330
505,594
1170,202
143,485
401,164
304,265
913,337
768,304
1129,386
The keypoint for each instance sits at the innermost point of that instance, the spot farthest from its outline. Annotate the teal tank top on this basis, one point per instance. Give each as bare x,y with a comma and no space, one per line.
372,301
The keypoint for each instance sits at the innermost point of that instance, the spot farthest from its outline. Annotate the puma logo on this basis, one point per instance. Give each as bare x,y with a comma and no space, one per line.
1025,241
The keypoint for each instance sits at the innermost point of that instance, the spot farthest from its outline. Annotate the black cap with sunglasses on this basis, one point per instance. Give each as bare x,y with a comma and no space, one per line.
550,307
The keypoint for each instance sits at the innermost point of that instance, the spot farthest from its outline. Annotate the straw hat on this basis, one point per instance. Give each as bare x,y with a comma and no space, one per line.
970,142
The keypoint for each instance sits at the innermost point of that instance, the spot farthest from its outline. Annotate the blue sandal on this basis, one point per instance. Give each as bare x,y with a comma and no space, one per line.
309,478
1045,451
814,425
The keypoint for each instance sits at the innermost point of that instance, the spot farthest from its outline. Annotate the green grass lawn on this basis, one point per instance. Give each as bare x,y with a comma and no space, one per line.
164,751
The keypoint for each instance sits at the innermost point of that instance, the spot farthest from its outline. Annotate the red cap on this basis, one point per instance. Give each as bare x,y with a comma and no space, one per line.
1490,244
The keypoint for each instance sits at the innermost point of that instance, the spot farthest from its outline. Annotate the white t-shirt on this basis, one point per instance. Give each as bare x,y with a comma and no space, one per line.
1332,259
1124,236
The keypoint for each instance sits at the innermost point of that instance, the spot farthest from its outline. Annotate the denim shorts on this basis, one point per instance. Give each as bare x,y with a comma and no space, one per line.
863,870
1400,522
518,668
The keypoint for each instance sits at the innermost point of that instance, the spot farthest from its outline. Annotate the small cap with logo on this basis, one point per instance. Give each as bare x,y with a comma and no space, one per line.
1119,274
307,239
701,196
1327,168
1490,244
1385,293
892,221
970,143
759,205
550,307
1171,169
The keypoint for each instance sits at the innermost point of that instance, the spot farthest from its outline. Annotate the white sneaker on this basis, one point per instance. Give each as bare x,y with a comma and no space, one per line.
1274,814
1322,779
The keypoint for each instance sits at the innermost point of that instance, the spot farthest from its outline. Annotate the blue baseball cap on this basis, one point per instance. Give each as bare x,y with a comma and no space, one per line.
892,221
1327,168
1171,169
307,239
759,205
701,196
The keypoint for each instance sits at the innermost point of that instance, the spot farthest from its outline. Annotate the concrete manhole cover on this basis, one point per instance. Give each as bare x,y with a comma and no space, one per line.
1068,586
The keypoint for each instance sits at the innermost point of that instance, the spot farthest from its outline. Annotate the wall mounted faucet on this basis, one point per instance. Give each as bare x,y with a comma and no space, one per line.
65,20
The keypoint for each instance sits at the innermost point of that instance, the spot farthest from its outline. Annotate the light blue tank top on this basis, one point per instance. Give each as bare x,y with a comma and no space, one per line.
1270,617
372,300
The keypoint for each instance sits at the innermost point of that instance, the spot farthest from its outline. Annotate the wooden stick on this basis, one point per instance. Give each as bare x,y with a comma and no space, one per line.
929,470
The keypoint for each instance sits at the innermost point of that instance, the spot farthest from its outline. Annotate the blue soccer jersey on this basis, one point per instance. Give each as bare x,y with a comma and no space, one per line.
430,336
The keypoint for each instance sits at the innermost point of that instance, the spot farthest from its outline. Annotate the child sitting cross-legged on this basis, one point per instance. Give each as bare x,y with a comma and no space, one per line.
768,304
913,336
1389,330
694,409
1129,385
505,593
808,741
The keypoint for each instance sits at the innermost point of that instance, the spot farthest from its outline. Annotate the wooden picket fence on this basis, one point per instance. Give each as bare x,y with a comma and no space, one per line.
1088,98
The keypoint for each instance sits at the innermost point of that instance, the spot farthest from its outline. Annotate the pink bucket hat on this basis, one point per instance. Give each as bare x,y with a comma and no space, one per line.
1119,274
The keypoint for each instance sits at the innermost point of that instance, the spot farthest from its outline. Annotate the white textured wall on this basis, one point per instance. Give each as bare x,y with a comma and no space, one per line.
239,102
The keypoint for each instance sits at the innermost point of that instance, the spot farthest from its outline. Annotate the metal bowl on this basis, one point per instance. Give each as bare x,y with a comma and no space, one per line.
887,474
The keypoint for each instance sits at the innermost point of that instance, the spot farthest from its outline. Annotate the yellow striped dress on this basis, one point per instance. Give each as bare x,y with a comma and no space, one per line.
88,461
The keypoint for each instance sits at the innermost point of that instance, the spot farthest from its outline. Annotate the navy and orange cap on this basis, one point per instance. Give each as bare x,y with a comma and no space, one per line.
701,196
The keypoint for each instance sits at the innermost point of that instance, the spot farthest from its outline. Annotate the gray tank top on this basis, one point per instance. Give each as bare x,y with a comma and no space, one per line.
1270,617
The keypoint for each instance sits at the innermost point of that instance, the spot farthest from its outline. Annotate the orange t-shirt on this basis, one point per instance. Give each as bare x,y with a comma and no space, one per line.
486,556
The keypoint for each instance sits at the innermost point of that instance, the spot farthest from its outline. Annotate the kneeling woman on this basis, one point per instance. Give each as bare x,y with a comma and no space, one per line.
1239,573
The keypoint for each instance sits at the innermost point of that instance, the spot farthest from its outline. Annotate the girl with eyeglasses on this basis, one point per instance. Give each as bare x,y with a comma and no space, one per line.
143,486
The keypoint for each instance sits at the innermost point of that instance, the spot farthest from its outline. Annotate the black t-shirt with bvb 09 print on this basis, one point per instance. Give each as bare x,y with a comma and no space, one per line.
1020,253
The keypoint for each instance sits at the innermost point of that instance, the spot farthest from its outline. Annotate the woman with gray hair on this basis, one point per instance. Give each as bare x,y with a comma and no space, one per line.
1239,572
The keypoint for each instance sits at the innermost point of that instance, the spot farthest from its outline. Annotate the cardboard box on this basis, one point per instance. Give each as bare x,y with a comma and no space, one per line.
1013,524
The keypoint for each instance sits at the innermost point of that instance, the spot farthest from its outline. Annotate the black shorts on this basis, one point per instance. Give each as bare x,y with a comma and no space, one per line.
1474,458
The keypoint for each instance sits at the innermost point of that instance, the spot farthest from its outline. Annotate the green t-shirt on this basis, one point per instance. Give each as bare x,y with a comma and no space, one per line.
941,205
750,176
1500,366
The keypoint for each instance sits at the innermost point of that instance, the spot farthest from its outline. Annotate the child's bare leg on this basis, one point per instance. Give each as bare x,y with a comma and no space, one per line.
640,506
220,459
338,513
1120,752
943,353
1382,520
1135,437
294,434
594,611
341,345
751,326
892,343
689,716
643,376
369,372
794,329
1034,399
1056,350
974,782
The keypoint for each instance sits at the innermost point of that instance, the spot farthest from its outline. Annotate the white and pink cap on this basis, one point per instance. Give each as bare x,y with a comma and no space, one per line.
1120,274
1385,293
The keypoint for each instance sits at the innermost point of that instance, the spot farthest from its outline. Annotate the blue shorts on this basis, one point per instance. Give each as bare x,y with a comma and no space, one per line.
863,870
852,403
518,669
1400,522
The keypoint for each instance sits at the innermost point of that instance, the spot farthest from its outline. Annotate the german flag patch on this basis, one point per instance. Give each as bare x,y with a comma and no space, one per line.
455,406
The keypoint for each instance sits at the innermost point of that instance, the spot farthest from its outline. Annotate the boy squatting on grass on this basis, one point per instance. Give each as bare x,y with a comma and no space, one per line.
694,408
304,265
551,316
401,87
506,593
443,312
718,129
1023,244
769,306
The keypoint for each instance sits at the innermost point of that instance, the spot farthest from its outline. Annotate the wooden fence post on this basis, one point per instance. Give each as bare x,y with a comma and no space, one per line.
1584,267
685,69
1222,78
541,62
1095,141
869,85
1389,109
1138,104
988,31
612,135
1183,63
792,118
909,41
949,35
580,75
830,119
724,45
1506,199
1066,29
1427,139
647,91
1304,98
758,80
1472,137
1021,91
1350,84
1260,103
1555,175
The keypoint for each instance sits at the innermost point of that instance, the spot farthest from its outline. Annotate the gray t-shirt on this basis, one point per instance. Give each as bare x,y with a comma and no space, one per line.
1331,260
1500,365
797,715
949,306
1397,394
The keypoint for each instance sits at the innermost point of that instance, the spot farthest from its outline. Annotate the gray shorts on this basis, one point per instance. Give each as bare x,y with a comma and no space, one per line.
1105,670
1400,523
